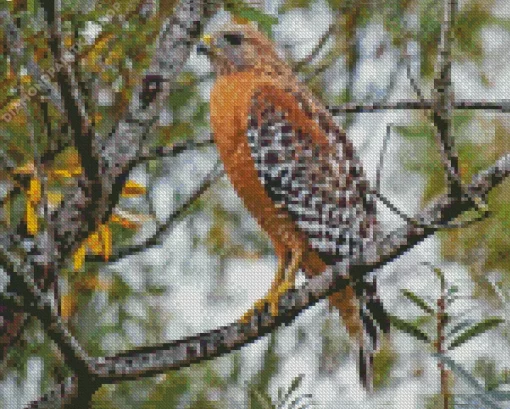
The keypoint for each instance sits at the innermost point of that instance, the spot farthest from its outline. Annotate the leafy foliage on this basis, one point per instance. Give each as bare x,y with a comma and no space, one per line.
475,330
286,397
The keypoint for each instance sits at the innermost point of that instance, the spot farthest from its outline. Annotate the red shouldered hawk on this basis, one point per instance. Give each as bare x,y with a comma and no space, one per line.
296,172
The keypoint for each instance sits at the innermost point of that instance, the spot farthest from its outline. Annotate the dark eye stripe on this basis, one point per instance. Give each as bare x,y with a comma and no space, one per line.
233,39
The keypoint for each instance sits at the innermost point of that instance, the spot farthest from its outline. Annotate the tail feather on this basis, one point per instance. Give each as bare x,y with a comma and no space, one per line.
366,320
366,369
375,323
375,306
362,313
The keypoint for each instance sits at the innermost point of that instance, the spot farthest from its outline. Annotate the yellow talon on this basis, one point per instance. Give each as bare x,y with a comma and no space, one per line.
284,280
274,296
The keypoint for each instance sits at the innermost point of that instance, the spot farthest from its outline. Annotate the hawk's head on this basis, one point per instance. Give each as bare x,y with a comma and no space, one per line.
240,47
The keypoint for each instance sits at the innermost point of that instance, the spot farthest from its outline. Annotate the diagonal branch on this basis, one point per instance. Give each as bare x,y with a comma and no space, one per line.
169,223
177,354
317,49
42,306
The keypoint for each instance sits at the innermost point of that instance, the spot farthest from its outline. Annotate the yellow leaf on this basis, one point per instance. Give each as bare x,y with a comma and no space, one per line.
79,258
67,305
34,191
132,189
124,222
240,20
106,239
76,170
26,169
60,173
26,79
31,216
94,243
66,173
115,54
54,198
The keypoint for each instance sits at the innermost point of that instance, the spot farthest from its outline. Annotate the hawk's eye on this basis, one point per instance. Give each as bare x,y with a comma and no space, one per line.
233,39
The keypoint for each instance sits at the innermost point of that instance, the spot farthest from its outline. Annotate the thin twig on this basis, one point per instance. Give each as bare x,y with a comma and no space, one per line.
316,50
481,206
502,105
443,100
169,223
174,149
414,83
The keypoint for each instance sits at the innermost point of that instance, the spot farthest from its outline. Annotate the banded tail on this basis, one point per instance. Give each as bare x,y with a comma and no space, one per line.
366,321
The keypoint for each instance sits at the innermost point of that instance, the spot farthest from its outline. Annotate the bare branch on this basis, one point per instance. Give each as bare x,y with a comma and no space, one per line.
78,214
414,83
443,100
502,106
177,354
42,306
317,49
73,221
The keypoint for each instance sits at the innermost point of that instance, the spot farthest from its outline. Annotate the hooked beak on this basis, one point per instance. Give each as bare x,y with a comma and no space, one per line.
204,46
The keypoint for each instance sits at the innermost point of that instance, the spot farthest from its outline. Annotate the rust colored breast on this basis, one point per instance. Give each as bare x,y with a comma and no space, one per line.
230,102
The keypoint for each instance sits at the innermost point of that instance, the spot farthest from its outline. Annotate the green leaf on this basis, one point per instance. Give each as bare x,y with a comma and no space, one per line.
460,326
475,330
262,398
293,387
293,4
119,290
264,21
420,131
440,275
409,328
417,300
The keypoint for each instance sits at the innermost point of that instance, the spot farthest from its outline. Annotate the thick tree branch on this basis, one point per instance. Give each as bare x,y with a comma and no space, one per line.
42,306
177,354
85,138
